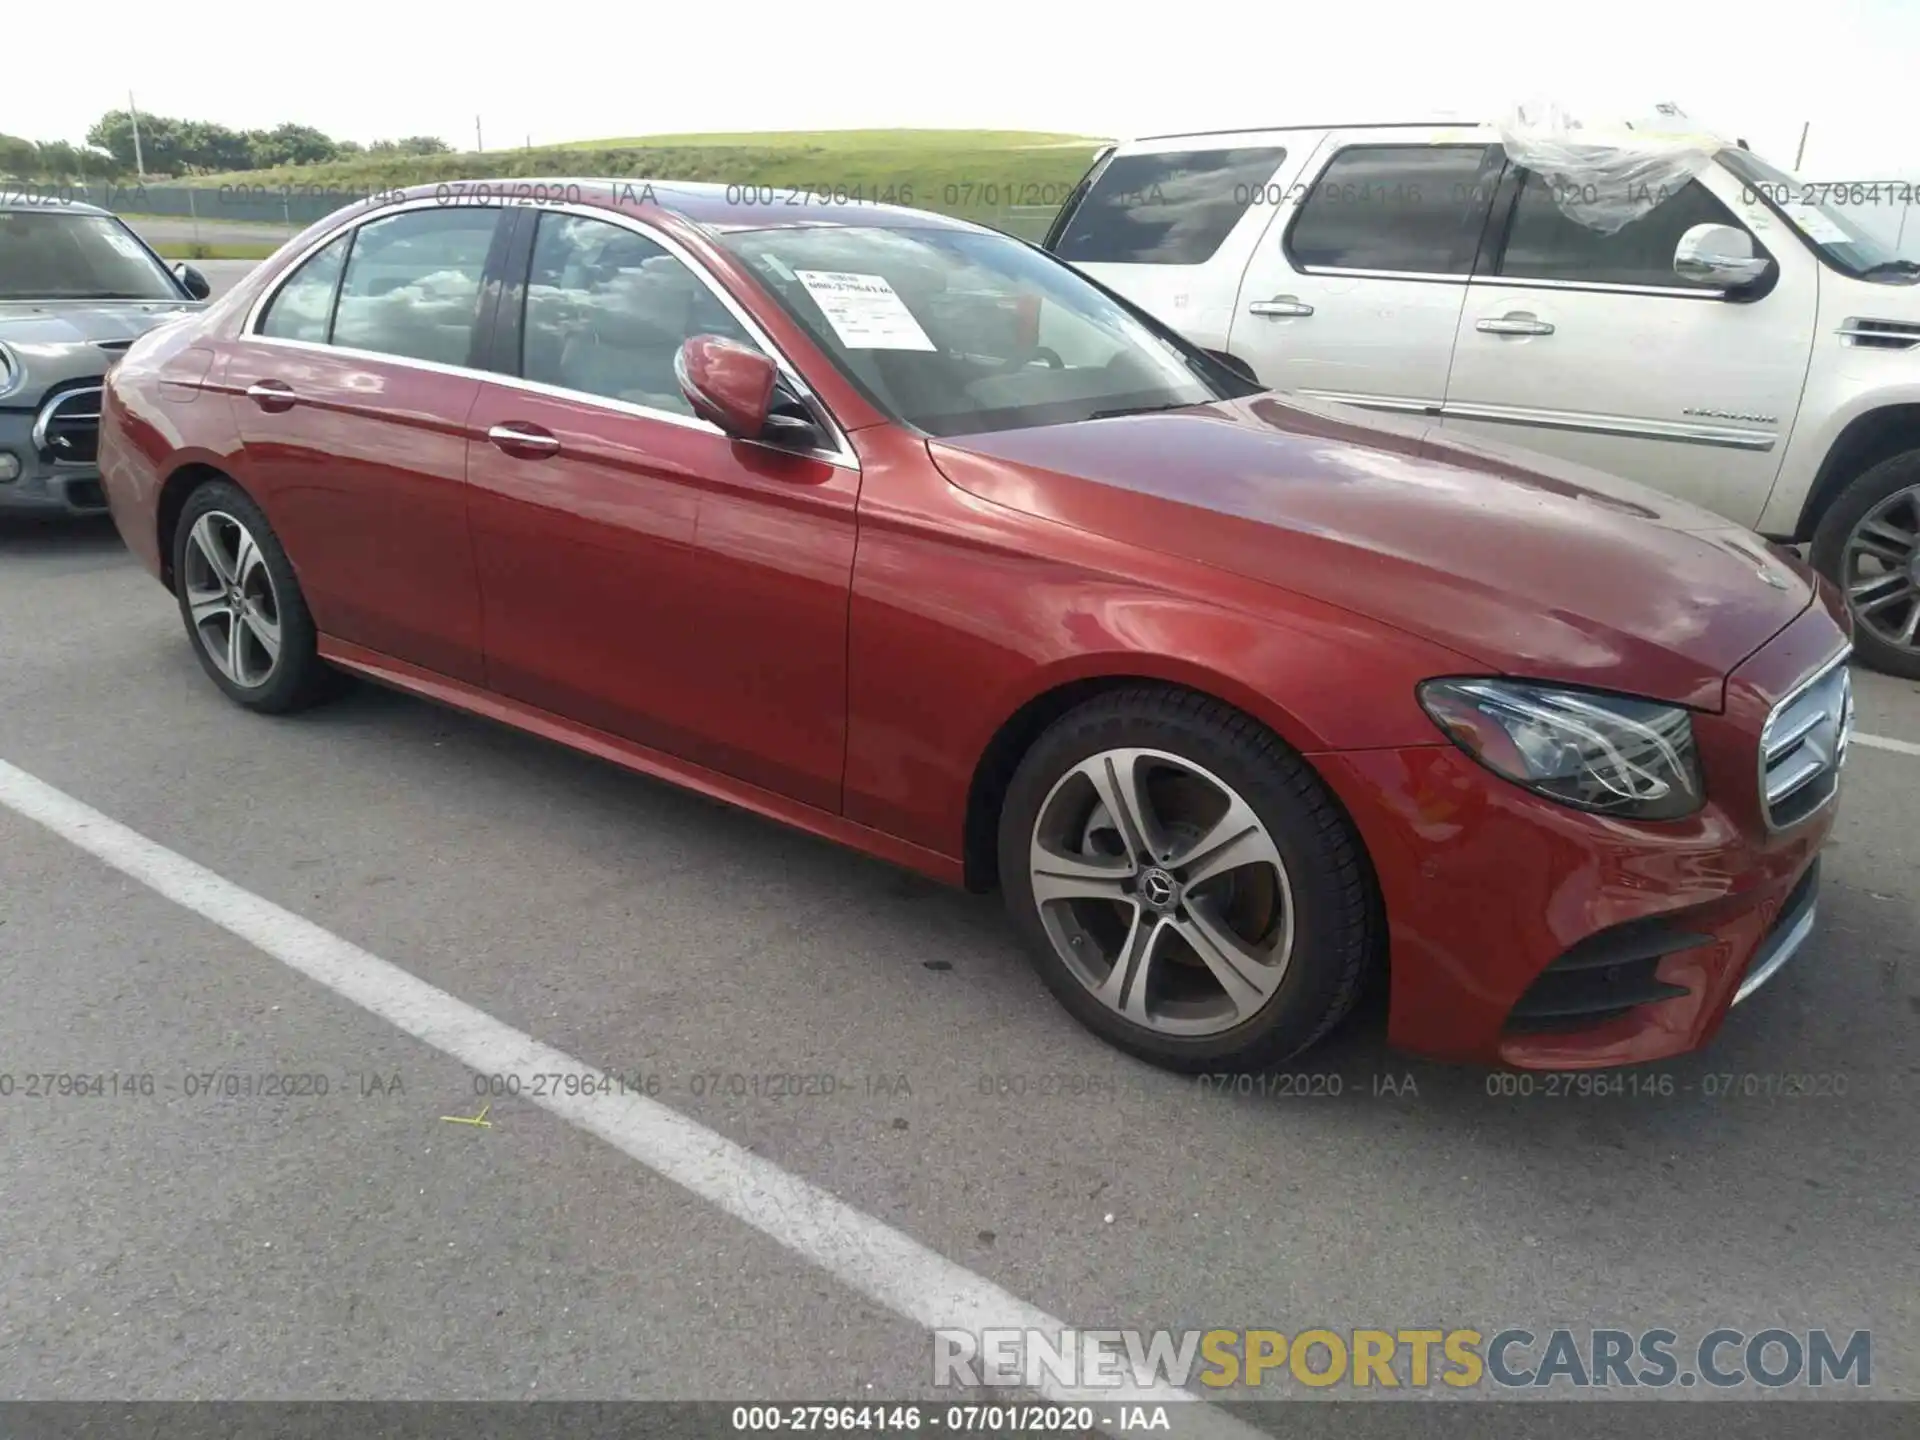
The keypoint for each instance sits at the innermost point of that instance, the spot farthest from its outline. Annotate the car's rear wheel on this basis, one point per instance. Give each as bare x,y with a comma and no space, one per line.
1868,544
242,605
1185,883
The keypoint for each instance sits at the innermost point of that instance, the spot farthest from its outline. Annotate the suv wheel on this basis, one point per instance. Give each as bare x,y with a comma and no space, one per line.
242,605
1868,544
1185,884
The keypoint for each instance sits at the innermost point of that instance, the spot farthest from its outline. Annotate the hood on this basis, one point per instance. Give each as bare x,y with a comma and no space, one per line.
1525,565
56,340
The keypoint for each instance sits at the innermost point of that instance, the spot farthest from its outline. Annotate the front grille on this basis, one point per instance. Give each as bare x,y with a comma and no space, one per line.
1804,745
67,429
86,495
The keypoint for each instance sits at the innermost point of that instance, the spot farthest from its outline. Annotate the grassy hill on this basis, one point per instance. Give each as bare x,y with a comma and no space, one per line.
977,173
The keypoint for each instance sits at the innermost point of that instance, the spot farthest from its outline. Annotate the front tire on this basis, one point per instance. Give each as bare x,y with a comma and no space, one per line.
1185,884
241,603
1868,543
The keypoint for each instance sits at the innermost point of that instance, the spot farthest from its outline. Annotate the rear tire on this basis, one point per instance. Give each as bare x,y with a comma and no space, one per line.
1226,919
246,619
1868,544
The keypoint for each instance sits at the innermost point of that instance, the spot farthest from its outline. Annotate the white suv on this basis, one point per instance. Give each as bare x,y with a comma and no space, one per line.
1740,344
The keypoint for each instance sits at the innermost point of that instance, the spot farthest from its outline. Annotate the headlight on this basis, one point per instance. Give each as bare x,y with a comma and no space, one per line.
1610,754
11,371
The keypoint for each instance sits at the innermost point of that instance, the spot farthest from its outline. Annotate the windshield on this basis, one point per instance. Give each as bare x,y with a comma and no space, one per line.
52,256
959,332
1837,236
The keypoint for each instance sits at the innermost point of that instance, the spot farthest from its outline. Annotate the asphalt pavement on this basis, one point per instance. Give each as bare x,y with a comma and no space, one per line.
941,1135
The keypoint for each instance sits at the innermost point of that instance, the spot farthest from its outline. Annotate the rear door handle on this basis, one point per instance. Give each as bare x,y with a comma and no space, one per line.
529,442
272,395
1280,305
1519,322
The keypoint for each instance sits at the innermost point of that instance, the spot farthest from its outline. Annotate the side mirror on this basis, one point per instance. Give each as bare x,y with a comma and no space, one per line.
727,384
195,282
1720,255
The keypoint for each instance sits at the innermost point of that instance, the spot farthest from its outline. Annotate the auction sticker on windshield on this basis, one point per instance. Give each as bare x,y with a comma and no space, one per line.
864,310
1818,227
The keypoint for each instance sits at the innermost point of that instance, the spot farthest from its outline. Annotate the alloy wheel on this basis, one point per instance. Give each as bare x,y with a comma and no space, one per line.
1162,892
231,602
1880,568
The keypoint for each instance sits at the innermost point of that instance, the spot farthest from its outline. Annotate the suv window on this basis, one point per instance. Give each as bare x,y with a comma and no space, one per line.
1413,208
412,286
607,311
1543,243
302,309
1171,207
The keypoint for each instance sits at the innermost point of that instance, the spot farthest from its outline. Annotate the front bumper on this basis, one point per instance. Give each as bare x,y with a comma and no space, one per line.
44,486
1527,934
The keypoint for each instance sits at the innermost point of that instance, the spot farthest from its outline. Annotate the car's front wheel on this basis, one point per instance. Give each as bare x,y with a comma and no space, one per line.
1185,883
242,605
1868,544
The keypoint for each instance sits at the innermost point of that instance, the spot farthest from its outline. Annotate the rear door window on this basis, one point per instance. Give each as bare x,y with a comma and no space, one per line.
302,309
412,286
1408,209
1169,207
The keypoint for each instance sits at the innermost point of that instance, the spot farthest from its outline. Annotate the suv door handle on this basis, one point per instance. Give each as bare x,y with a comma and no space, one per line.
1519,322
529,442
272,395
1279,305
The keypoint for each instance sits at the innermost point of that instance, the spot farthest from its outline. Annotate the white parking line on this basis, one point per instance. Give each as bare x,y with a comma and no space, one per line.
858,1250
1882,742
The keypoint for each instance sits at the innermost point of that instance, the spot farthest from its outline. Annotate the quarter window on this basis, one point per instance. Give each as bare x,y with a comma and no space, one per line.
608,309
303,307
1544,243
1171,207
1409,208
412,286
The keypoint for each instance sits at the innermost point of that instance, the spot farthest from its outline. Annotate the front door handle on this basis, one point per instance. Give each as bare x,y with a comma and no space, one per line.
272,395
529,442
1519,322
1280,305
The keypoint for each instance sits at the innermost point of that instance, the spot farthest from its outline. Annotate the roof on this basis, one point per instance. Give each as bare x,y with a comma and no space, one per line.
19,203
713,206
1439,118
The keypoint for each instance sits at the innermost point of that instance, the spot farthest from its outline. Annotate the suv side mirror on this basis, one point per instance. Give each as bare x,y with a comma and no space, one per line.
195,282
1720,255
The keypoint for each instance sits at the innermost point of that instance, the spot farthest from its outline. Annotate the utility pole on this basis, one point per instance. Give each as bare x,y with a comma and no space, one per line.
1800,154
139,164
478,145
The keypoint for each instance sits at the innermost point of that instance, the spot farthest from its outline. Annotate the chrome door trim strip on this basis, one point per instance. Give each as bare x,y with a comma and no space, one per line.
1679,431
1403,404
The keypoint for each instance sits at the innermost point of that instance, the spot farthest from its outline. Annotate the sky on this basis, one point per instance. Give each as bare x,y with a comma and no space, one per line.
583,69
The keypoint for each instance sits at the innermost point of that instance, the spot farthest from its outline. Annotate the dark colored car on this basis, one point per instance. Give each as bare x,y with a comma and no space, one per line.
902,532
76,287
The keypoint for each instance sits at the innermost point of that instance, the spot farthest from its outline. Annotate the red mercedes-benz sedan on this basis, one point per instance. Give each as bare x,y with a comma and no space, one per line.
898,530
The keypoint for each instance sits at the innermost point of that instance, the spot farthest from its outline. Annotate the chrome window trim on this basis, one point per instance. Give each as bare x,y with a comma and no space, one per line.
51,408
1845,731
1678,431
1431,277
840,454
1600,287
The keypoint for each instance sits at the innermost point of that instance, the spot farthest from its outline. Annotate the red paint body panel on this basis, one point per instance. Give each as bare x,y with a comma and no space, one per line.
836,646
364,477
669,585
